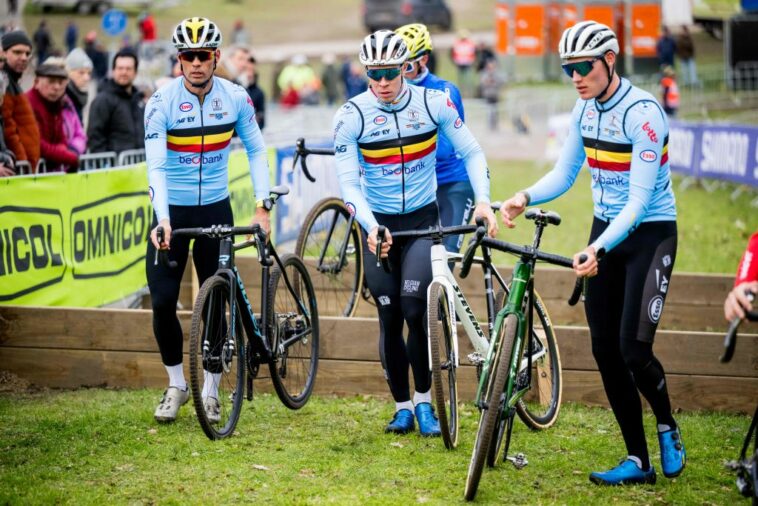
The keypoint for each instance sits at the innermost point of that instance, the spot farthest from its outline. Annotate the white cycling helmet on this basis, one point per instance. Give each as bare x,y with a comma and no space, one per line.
383,47
588,38
196,33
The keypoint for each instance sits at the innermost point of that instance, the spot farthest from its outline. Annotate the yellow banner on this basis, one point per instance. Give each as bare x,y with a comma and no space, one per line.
80,239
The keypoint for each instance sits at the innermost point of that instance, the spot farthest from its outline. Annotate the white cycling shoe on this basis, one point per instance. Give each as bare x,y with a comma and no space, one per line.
173,399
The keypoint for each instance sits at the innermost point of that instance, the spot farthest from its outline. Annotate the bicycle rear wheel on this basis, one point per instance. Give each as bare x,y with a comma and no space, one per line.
337,276
443,363
293,332
540,406
493,402
217,365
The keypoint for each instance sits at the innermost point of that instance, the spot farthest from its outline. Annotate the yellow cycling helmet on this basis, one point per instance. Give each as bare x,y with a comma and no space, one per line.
196,33
417,38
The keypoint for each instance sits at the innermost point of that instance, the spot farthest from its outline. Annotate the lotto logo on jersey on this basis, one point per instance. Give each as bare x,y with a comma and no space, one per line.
650,132
648,156
451,104
185,107
380,120
458,123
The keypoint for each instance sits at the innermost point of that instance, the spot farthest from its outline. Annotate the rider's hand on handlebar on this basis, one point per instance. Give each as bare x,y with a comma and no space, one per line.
262,218
372,240
737,302
166,224
484,210
512,208
589,267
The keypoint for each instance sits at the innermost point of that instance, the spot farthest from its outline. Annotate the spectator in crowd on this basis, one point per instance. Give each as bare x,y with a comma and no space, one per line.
42,41
463,54
61,145
116,114
276,91
71,36
21,132
12,7
356,83
737,302
236,61
98,56
147,28
669,91
256,94
685,51
490,84
298,82
79,68
665,48
330,78
240,36
7,158
484,53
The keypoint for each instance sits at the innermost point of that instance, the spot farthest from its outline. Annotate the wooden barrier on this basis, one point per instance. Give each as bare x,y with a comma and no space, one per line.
68,347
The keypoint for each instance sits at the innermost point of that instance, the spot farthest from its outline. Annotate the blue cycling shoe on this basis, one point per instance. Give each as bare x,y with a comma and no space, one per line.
673,456
626,473
402,422
428,425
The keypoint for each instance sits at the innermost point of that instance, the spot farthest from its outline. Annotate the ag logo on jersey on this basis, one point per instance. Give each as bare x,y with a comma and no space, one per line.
648,156
380,120
185,107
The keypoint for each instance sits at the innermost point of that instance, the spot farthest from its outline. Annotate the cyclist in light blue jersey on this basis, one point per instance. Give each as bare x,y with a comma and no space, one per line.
385,142
455,196
188,128
622,132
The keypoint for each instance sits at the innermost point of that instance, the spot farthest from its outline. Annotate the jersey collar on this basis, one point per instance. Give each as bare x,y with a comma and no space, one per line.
403,98
624,87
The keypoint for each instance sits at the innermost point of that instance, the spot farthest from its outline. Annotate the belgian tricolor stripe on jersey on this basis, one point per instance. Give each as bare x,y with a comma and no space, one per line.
402,150
613,155
195,140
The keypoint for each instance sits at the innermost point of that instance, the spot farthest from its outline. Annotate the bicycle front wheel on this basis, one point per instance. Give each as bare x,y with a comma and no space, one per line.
217,365
539,408
330,246
493,402
443,363
293,332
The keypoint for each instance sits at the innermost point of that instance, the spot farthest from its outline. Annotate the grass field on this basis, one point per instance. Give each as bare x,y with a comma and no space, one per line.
102,446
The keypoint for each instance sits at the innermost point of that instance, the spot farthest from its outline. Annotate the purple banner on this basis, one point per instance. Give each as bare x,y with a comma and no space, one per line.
728,152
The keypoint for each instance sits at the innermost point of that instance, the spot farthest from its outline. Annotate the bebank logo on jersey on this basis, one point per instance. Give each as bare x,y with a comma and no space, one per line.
650,132
350,208
380,120
185,107
648,156
195,159
458,123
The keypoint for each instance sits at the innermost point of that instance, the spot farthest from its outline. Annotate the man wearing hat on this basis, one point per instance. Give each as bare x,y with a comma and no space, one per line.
47,98
79,67
21,132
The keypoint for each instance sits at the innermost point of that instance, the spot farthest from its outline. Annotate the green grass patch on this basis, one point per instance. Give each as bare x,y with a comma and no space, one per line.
102,446
713,227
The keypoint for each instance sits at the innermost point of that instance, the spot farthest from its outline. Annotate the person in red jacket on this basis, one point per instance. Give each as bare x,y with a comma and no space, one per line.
47,97
737,301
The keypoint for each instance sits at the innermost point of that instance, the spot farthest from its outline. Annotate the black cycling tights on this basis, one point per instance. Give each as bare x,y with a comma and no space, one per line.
164,282
624,304
400,296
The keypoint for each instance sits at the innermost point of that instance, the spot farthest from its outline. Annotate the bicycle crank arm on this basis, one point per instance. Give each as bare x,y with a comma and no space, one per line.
519,461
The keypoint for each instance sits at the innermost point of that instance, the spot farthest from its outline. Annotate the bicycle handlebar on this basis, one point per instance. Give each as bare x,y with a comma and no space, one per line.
468,257
301,153
730,339
579,286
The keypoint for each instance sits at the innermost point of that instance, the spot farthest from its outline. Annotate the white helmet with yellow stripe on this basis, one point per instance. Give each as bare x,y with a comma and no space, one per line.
196,33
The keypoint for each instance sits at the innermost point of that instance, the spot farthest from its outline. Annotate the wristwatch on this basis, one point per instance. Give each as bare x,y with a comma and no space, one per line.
266,204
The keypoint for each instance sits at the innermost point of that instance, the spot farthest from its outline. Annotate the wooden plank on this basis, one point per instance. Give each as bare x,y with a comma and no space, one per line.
75,368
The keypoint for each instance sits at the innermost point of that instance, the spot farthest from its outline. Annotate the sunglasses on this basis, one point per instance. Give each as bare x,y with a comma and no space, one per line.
581,67
189,56
388,74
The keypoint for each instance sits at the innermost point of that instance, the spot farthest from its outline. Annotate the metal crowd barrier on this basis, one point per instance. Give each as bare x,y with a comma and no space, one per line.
94,161
131,157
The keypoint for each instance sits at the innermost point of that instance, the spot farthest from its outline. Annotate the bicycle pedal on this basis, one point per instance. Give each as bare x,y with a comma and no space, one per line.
519,461
475,358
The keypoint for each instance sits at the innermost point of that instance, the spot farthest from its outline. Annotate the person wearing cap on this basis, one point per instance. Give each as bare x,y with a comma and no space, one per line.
79,67
623,134
115,116
61,144
21,132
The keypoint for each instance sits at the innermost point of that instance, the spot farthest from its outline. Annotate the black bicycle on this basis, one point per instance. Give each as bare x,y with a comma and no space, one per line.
284,335
746,466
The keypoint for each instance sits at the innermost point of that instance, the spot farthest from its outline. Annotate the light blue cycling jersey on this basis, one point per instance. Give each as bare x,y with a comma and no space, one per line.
187,144
450,168
385,153
625,142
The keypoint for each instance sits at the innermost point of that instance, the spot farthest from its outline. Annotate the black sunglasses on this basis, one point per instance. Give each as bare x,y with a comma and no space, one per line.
582,67
389,74
189,56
